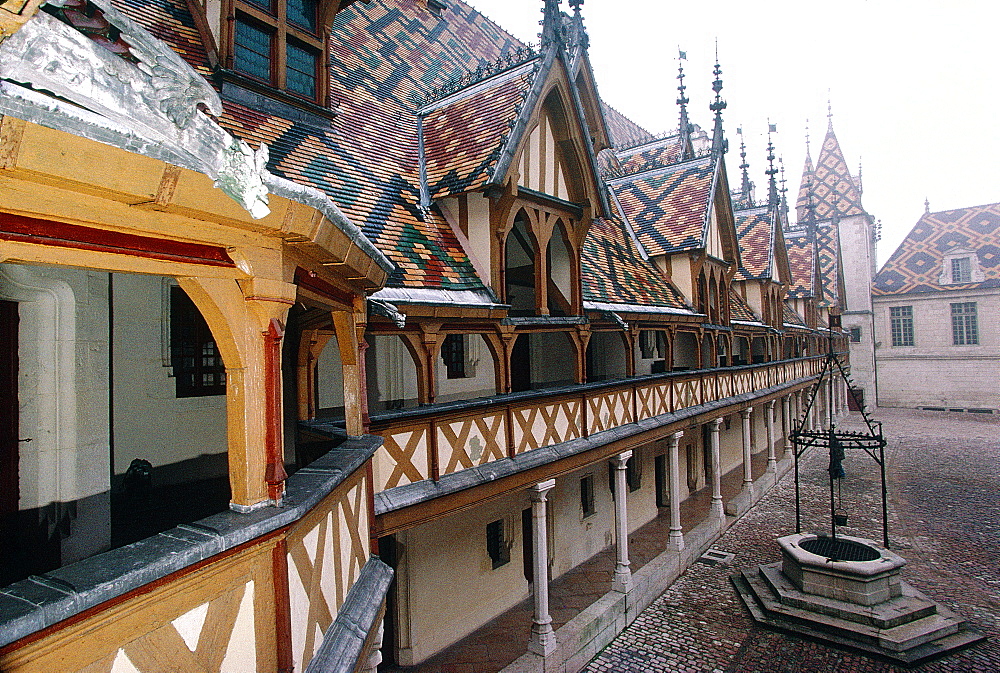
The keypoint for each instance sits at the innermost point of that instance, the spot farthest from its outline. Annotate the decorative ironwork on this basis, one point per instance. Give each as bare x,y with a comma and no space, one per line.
512,59
837,442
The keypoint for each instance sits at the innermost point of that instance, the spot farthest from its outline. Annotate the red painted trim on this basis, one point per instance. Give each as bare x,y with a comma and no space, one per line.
48,232
274,473
310,281
282,608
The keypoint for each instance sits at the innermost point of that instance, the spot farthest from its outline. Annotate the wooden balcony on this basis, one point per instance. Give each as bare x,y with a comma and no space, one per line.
430,442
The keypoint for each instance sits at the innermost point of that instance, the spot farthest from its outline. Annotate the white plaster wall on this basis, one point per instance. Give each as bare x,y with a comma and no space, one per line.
731,443
330,377
62,381
390,370
447,562
479,232
478,359
151,422
933,372
559,266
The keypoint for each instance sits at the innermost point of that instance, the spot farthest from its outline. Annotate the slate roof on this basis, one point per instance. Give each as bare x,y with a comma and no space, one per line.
916,265
667,207
801,263
464,133
612,270
739,309
755,231
832,190
623,131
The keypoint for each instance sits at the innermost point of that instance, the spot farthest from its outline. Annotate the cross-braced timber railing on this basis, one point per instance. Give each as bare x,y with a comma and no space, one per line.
428,442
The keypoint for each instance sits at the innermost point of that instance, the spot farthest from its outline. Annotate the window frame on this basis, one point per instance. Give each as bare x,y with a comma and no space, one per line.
901,326
497,544
185,317
961,274
454,351
284,32
964,323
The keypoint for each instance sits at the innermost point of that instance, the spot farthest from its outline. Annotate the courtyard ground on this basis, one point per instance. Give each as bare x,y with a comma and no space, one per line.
944,495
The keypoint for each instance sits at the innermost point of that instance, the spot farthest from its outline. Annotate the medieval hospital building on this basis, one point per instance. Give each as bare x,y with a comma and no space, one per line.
332,330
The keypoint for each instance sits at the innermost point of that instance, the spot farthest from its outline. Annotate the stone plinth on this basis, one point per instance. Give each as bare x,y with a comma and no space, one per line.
860,582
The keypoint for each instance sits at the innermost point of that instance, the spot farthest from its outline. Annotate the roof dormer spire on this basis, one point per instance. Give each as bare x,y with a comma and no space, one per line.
685,126
772,187
551,23
746,187
719,143
783,206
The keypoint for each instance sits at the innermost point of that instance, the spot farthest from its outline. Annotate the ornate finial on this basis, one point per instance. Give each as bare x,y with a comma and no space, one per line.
575,4
746,187
829,110
682,100
927,206
784,190
807,137
772,188
551,23
719,144
861,188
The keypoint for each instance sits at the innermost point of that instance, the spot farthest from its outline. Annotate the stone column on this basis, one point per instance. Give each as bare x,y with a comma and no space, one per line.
747,448
772,460
675,541
786,409
718,510
622,581
543,638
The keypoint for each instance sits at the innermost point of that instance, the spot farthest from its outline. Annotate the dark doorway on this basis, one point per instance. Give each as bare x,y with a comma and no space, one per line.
527,545
662,492
520,364
388,553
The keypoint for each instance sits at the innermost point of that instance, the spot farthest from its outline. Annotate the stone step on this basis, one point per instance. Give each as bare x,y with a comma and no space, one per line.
909,643
912,605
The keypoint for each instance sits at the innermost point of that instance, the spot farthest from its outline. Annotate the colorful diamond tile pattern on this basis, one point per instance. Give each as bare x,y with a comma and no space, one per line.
739,309
801,264
613,272
755,230
463,140
828,264
916,265
650,156
668,207
832,190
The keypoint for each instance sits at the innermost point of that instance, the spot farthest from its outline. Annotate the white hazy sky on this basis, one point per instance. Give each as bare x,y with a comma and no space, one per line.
914,86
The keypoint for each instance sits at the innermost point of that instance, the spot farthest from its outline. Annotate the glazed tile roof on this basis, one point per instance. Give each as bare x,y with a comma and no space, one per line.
828,264
650,156
739,309
463,134
755,230
623,131
801,263
612,270
171,22
668,207
802,201
917,264
832,190
790,317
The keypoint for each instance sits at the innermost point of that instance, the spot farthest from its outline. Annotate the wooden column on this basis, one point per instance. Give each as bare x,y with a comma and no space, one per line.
543,638
622,581
274,471
354,385
747,448
675,540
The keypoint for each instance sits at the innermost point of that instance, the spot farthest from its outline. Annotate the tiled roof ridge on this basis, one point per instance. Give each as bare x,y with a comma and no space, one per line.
665,169
654,143
504,64
954,210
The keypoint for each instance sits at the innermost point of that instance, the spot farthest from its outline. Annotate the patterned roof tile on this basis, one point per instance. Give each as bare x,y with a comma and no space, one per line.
739,309
650,156
790,317
755,230
667,207
801,263
829,190
623,131
828,264
917,264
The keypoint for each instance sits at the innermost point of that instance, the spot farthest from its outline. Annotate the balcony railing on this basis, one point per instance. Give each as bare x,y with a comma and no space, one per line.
429,442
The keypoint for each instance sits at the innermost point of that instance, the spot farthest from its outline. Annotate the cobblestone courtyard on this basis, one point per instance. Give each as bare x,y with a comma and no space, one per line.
944,493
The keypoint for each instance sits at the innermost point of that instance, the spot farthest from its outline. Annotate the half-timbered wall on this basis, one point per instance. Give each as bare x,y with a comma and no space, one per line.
541,167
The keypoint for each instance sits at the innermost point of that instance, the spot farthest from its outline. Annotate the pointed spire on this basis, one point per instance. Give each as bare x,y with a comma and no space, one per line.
719,144
804,203
551,23
772,187
861,188
746,187
579,38
783,206
685,126
829,112
927,206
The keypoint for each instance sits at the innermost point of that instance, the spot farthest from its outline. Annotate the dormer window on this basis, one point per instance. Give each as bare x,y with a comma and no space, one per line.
278,43
961,270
